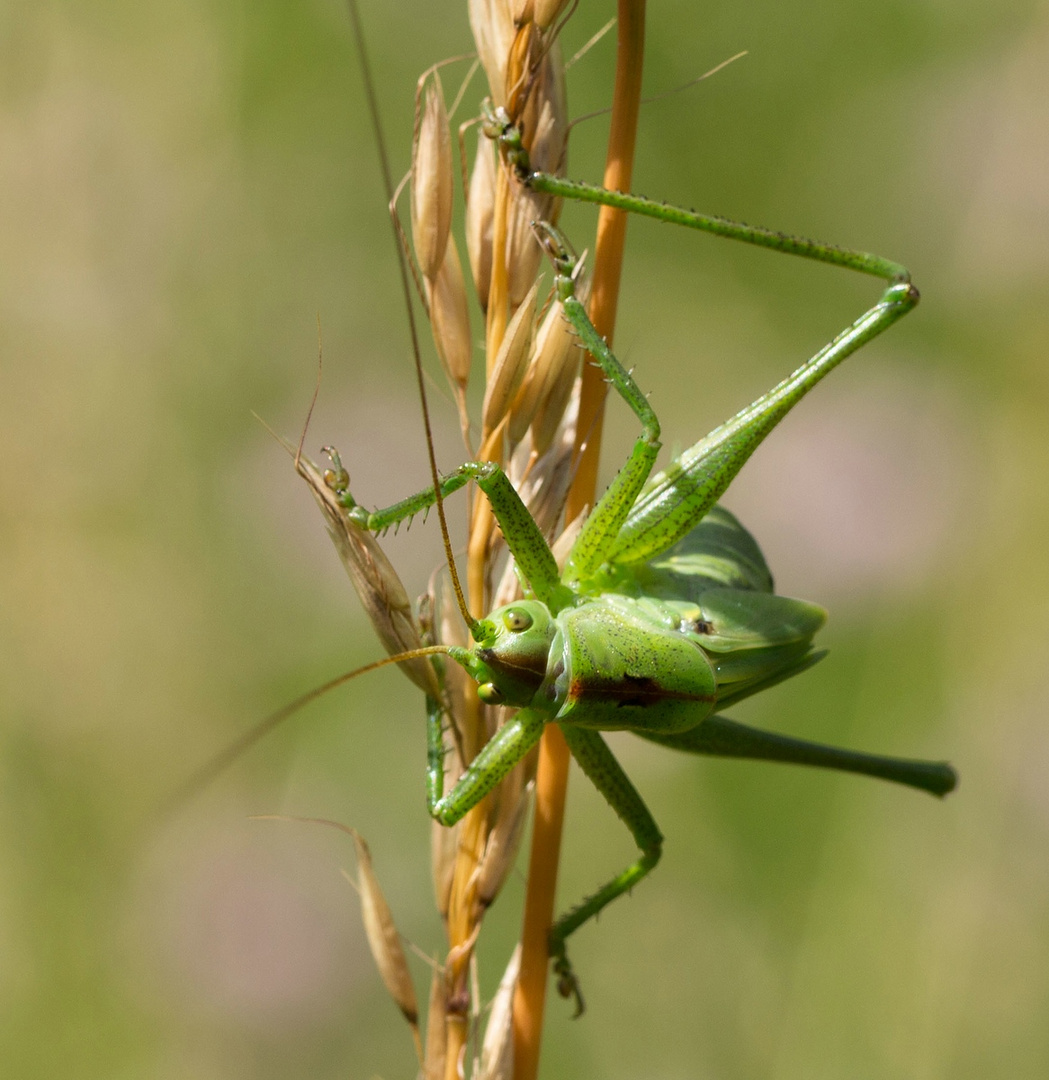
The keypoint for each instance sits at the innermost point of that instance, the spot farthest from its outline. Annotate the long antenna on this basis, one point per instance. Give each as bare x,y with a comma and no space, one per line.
222,761
380,139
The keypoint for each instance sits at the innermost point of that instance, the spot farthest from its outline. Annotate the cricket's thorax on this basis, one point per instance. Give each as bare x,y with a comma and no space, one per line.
617,662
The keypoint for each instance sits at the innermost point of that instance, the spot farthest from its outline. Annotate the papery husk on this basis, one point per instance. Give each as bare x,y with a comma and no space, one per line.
448,629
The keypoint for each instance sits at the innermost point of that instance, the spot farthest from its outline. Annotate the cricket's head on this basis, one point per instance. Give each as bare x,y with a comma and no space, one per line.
509,657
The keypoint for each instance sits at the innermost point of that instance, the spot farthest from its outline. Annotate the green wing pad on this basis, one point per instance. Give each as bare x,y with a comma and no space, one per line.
718,551
733,619
751,639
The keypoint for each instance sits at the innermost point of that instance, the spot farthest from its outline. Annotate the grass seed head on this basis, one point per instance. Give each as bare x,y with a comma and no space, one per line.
444,847
544,118
551,376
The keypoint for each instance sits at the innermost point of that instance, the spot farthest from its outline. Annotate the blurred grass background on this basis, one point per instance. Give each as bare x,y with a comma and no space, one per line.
183,189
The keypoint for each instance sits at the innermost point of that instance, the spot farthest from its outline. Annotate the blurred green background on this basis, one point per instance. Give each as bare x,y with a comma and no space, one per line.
184,189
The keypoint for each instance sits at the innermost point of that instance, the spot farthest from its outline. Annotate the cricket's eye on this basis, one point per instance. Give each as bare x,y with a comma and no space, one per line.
490,694
517,620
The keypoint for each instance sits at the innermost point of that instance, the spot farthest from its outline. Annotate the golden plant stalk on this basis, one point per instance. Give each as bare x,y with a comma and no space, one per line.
554,757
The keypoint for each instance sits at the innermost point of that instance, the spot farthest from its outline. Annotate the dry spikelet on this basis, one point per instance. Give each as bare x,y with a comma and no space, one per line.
497,1050
545,115
551,409
381,593
560,360
510,365
551,373
493,30
383,938
432,182
436,1030
450,320
480,213
523,253
549,477
524,400
450,630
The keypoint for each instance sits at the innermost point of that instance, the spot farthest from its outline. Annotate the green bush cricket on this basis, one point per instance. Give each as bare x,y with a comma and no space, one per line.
664,613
